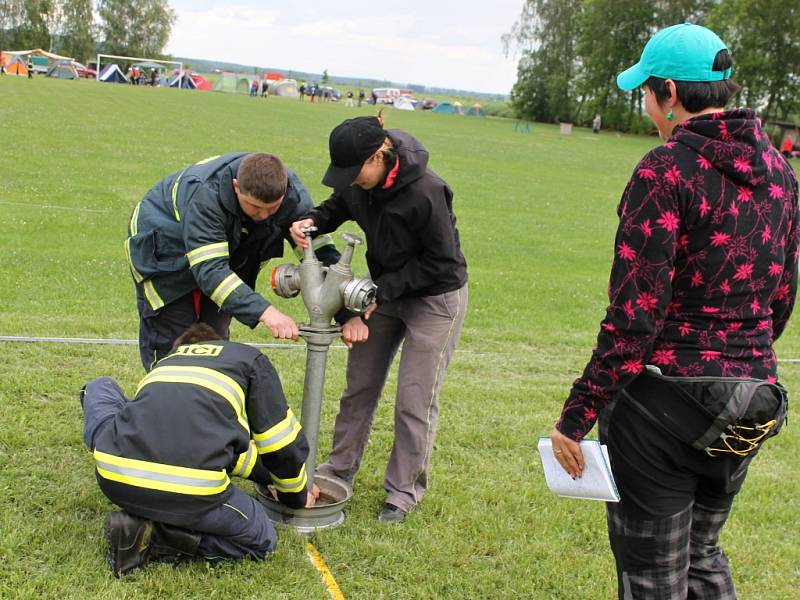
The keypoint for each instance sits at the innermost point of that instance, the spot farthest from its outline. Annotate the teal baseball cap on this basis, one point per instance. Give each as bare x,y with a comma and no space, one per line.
684,52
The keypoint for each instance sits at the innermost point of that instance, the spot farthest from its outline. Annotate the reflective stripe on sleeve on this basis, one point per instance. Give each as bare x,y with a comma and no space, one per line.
133,226
152,296
217,382
175,196
278,436
292,484
207,252
247,460
137,277
156,476
224,289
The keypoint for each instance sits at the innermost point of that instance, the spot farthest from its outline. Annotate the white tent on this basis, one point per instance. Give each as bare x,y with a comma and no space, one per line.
403,103
112,74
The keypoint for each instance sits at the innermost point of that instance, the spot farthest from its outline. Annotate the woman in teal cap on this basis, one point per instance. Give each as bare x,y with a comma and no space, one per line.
684,378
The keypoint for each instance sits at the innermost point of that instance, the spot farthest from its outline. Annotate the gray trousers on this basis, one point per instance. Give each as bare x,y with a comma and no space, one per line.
429,328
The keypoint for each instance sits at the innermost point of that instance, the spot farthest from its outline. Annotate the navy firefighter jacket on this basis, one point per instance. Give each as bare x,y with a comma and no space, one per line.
207,411
189,232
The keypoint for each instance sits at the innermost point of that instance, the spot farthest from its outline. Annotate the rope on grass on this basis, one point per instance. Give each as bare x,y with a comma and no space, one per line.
327,577
78,208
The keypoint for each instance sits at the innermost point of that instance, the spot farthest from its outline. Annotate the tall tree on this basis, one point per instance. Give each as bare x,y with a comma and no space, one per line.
546,33
77,33
135,28
763,38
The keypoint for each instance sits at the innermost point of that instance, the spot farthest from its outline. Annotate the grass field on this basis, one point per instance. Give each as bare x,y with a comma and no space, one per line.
537,218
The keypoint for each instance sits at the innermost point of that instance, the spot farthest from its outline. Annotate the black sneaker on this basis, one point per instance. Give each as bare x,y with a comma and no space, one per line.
391,514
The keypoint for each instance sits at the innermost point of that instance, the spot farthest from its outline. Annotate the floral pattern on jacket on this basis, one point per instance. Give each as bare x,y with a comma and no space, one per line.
705,264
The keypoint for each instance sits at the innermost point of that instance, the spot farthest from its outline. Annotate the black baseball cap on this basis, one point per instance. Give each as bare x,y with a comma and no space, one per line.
350,145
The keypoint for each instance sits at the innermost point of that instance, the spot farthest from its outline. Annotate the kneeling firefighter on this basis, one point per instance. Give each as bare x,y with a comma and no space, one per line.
209,410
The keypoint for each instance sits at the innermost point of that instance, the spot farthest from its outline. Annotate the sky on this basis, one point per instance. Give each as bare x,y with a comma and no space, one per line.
438,43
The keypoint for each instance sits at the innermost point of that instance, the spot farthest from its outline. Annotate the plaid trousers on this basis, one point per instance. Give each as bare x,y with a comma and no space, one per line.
674,501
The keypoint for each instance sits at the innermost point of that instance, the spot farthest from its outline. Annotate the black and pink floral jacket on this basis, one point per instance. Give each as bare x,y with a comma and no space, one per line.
705,263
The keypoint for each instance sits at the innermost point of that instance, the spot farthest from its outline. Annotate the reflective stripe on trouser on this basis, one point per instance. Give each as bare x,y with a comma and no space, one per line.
429,328
159,329
239,527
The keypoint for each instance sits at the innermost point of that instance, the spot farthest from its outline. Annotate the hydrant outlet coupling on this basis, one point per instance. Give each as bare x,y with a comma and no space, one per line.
359,294
285,281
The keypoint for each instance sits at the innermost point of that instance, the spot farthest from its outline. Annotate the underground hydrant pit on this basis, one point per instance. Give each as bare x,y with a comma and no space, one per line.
328,511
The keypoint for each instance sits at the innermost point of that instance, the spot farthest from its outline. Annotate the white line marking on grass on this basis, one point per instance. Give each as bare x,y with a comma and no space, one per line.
78,208
327,576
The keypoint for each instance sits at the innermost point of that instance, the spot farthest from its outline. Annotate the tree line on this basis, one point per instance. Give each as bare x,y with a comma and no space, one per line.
81,28
570,52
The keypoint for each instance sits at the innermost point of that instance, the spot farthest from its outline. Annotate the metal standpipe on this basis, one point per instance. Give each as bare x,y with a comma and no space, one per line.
325,290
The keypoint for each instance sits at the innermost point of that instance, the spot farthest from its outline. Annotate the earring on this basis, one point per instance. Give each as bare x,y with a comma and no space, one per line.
669,116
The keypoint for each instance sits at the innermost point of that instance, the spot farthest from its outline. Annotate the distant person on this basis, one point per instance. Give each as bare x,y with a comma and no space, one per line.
682,378
301,91
254,88
361,96
318,93
312,92
30,68
373,98
199,239
380,180
153,77
349,101
596,123
264,88
787,146
211,410
2,69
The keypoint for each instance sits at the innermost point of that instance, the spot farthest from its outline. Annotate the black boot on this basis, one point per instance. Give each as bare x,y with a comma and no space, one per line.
133,542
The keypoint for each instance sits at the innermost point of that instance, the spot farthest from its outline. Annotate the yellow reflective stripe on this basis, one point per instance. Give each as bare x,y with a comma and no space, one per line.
209,159
247,460
156,476
207,252
133,226
152,296
224,289
175,196
137,277
278,436
292,484
217,382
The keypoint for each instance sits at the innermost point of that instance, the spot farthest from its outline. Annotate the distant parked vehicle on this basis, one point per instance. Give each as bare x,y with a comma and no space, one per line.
84,71
333,93
386,95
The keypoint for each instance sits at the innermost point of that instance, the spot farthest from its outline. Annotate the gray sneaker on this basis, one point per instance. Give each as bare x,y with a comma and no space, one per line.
391,514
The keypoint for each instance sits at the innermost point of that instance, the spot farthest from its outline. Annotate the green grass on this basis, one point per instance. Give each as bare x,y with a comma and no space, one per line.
537,218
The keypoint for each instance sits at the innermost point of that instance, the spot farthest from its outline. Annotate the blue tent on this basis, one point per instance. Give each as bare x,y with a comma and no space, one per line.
112,74
449,109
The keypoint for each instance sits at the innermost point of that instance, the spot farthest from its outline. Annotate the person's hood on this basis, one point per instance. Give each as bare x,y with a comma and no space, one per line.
413,161
732,142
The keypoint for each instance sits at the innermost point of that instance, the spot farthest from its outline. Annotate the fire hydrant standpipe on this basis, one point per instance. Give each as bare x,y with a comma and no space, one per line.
325,290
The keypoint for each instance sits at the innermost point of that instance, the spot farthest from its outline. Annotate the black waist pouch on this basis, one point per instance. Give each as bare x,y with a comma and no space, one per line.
721,415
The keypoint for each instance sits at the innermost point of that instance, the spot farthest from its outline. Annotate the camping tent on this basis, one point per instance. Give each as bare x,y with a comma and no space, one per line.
446,108
232,83
200,82
111,73
15,65
183,80
476,110
63,69
404,103
283,87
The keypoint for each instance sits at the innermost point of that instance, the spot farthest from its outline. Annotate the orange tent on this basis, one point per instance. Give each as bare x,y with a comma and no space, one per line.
15,65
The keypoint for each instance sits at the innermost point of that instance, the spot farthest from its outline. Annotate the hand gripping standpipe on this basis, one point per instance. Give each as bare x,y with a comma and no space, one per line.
325,290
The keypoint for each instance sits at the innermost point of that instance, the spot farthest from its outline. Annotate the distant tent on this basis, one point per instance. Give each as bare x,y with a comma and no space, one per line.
446,108
15,65
272,76
226,83
112,74
184,81
200,82
404,103
63,69
283,87
476,110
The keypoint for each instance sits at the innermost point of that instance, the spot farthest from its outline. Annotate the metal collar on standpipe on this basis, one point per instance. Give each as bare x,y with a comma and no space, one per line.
325,290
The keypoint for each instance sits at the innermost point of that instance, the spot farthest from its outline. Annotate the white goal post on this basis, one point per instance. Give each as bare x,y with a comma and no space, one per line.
135,59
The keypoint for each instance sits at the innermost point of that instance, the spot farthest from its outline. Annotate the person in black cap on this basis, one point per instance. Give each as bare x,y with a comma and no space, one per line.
381,180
